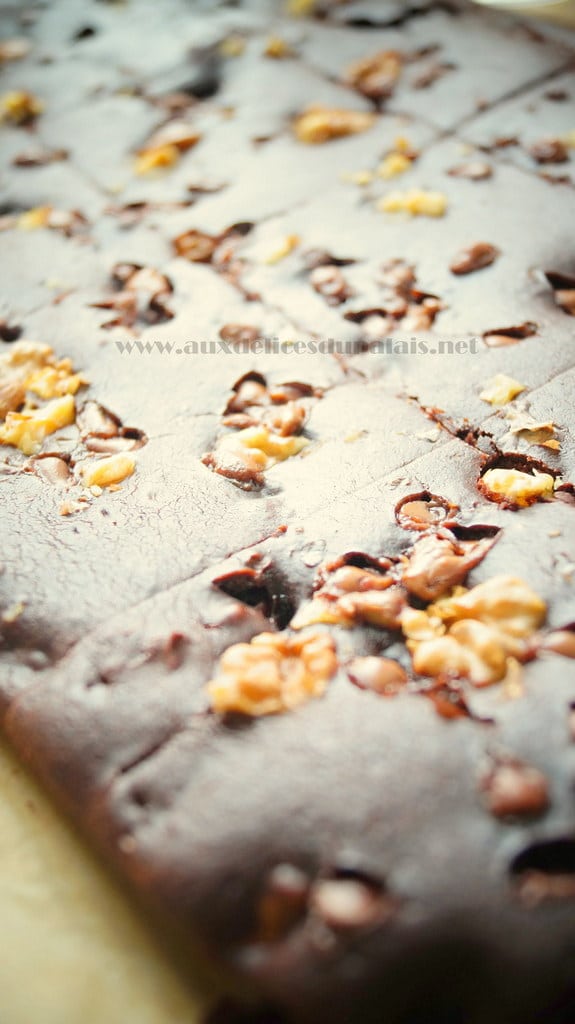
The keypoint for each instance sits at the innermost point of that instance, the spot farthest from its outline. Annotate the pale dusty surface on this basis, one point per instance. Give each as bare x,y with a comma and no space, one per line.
71,949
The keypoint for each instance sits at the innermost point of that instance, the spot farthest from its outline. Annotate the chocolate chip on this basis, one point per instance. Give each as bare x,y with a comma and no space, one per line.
545,871
549,151
9,331
87,32
556,95
476,257
423,510
512,789
474,170
263,588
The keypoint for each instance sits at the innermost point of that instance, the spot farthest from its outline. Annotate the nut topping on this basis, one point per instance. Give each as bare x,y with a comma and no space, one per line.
437,564
512,789
381,675
375,76
275,672
476,257
321,124
416,202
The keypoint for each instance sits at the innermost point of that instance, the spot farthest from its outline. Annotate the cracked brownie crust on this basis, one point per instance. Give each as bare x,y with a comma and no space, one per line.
290,632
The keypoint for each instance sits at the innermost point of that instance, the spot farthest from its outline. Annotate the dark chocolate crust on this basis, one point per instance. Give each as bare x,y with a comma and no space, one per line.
125,606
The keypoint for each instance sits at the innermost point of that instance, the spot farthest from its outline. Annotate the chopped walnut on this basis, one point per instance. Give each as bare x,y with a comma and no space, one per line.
475,634
350,903
321,124
14,49
20,107
375,76
27,430
560,641
277,48
141,296
164,147
283,903
512,789
436,564
287,246
240,334
476,257
423,511
501,389
515,489
393,165
31,366
330,282
549,151
474,170
195,246
381,675
285,420
505,602
351,595
470,650
107,472
416,202
275,672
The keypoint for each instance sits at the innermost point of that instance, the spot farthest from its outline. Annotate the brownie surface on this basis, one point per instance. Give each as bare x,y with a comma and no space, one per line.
396,839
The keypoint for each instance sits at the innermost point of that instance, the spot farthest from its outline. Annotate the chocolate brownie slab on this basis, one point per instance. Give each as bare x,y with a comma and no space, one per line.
288,629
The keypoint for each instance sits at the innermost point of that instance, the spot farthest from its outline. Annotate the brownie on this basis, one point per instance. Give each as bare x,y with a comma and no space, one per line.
286,377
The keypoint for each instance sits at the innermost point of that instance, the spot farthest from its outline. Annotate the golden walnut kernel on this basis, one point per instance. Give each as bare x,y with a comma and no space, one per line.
352,595
31,366
485,628
375,76
436,564
27,430
275,672
107,472
416,202
512,486
20,107
501,389
320,124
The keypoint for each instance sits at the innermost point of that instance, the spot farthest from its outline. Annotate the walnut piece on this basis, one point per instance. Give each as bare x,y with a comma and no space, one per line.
437,564
352,595
475,634
275,672
27,430
476,257
321,124
515,488
501,389
375,76
416,202
108,472
20,107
